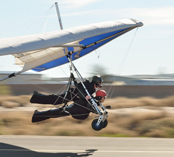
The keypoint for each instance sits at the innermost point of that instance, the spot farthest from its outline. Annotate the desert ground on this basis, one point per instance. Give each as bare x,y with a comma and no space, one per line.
129,117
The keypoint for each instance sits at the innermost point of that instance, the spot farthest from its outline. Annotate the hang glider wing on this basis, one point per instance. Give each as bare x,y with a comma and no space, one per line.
45,51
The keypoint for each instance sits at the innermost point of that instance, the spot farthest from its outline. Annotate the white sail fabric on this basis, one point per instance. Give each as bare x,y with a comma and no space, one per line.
35,50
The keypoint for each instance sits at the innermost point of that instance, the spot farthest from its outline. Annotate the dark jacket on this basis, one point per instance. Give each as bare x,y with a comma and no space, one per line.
80,109
81,91
72,94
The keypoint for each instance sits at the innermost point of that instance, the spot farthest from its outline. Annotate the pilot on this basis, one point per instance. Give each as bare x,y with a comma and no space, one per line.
76,110
71,95
78,95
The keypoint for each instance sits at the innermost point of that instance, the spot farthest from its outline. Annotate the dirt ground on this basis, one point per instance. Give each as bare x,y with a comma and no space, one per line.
140,117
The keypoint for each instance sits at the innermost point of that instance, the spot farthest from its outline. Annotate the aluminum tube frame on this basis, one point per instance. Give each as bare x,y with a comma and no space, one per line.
59,17
82,80
11,75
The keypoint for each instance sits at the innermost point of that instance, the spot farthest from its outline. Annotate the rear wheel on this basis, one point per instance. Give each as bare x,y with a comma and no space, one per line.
95,126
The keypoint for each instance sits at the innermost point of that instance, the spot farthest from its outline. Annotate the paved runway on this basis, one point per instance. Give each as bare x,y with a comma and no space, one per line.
56,146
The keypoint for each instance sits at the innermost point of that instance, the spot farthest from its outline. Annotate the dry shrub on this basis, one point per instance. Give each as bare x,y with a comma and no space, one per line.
19,123
146,127
9,104
156,133
113,130
21,100
63,126
71,130
170,132
149,101
169,101
133,121
167,122
116,103
162,127
164,102
148,116
122,102
11,121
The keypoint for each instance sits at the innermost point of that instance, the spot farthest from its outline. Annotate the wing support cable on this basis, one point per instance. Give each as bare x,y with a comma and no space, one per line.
72,78
102,115
93,103
110,92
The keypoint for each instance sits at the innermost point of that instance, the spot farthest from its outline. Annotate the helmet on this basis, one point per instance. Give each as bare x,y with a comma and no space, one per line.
96,80
101,93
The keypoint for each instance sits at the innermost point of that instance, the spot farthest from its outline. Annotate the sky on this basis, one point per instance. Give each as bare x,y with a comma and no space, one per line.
148,50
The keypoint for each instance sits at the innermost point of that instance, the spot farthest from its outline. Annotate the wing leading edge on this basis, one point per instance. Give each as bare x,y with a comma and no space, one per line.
42,52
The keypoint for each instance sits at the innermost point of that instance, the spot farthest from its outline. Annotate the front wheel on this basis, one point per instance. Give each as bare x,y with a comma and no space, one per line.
95,126
105,123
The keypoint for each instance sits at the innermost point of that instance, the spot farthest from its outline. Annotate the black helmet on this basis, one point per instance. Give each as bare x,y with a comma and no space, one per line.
96,80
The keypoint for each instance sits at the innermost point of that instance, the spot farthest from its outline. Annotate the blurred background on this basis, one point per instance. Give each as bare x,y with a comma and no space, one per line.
137,68
142,106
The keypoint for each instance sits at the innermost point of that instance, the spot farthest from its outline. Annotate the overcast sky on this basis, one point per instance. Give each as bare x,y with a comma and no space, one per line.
150,49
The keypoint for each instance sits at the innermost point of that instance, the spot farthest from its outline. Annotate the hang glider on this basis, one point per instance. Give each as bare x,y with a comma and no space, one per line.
44,51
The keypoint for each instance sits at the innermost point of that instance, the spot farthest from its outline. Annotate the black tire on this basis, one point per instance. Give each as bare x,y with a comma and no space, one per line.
105,123
95,126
